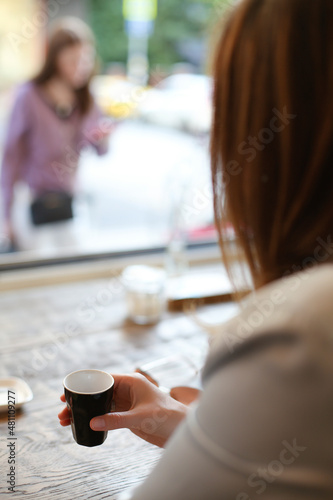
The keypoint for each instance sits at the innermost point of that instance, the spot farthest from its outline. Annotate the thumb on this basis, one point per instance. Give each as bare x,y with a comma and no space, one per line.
114,420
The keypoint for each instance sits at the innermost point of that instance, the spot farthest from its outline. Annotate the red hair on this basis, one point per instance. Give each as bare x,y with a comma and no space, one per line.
272,137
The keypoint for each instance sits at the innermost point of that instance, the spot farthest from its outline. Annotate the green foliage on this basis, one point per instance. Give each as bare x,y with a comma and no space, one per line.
106,19
177,21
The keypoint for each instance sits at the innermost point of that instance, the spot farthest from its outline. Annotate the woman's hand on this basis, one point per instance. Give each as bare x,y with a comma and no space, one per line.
141,407
8,233
102,133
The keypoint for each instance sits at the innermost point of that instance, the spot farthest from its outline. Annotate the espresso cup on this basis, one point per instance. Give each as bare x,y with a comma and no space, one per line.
88,394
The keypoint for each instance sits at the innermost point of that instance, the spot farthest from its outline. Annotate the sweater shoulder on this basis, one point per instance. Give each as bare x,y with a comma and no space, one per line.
297,308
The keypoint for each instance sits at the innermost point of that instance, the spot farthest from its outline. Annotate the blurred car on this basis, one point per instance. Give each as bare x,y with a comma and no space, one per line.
182,101
117,96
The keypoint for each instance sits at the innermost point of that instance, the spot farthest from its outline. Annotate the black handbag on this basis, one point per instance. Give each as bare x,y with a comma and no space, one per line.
51,206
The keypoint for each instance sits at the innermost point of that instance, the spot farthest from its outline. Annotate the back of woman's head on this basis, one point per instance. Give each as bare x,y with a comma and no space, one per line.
272,139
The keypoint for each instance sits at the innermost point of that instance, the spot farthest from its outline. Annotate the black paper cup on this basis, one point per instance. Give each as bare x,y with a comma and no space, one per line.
88,394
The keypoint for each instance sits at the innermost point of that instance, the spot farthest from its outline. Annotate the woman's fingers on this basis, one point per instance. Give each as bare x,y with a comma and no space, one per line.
130,393
64,423
185,395
112,421
64,415
134,389
139,406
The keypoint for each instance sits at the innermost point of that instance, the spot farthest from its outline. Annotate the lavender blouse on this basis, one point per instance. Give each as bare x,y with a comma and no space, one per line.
43,149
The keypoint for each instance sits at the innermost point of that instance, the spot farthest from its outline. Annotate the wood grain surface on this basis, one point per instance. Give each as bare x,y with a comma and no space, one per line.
48,332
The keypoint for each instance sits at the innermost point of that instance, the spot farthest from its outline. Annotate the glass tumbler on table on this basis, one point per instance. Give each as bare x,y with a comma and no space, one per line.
146,293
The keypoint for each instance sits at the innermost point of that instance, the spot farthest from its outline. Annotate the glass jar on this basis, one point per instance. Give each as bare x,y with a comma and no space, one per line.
145,293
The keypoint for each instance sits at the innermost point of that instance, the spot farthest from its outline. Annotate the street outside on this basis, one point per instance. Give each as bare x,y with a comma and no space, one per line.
152,180
148,174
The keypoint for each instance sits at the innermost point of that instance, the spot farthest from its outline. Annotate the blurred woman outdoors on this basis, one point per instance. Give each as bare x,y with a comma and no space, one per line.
54,118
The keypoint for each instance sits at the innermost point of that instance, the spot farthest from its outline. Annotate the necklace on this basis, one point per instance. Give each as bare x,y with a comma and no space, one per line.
62,111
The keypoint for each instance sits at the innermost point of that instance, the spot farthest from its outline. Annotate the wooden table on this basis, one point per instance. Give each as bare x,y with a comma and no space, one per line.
45,334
